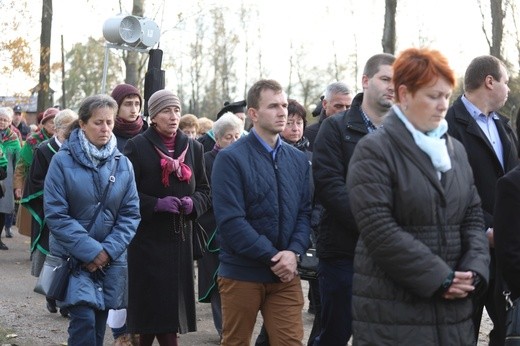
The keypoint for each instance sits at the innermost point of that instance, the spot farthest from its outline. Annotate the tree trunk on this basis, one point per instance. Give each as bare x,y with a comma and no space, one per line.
44,100
388,41
131,58
497,29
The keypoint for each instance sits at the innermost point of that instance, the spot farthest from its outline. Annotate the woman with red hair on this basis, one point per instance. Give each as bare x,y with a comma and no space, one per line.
422,253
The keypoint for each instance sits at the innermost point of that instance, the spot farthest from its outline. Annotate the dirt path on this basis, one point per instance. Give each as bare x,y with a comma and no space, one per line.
23,312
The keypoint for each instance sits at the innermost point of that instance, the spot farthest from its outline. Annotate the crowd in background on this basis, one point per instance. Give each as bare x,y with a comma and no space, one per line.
410,203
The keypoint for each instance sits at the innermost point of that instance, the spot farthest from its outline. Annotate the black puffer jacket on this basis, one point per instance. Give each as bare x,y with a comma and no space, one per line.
414,231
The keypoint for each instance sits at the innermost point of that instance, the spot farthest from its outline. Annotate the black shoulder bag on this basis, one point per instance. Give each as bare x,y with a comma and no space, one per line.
512,319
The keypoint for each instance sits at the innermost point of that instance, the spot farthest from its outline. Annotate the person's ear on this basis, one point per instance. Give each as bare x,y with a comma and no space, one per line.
252,114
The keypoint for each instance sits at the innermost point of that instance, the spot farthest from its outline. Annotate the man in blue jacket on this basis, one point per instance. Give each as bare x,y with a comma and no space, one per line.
262,207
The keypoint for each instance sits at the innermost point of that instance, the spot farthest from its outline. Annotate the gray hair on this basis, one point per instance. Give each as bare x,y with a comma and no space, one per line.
64,118
7,111
336,88
228,121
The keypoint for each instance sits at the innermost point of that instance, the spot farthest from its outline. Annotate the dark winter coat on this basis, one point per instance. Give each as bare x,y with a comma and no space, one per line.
73,189
506,223
262,207
33,194
414,231
335,143
209,263
482,158
160,257
312,130
207,140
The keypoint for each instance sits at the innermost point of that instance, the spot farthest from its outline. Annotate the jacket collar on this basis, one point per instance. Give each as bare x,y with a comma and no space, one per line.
464,117
353,119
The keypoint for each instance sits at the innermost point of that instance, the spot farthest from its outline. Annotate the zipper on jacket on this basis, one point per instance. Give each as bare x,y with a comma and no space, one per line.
277,177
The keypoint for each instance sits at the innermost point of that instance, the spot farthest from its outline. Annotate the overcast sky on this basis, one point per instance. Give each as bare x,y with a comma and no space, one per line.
452,26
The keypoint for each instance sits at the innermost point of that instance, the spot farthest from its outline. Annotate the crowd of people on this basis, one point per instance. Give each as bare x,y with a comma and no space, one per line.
409,201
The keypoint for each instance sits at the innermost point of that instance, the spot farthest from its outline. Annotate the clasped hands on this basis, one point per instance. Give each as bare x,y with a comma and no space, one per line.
101,261
461,286
174,205
285,265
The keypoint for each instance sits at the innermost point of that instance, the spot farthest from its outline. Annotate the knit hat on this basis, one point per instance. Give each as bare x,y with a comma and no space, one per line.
50,113
123,90
160,100
235,107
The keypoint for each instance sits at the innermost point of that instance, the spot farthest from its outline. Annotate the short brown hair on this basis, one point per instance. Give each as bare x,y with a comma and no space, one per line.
479,68
253,95
189,120
419,67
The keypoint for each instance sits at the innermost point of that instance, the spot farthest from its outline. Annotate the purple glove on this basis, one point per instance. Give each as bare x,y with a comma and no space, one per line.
186,205
168,204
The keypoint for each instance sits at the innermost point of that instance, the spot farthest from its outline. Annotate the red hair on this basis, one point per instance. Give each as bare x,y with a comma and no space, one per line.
418,67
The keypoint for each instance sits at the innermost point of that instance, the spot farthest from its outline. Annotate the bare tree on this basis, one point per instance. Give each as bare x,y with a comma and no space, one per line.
389,35
497,27
196,68
245,15
222,56
514,10
44,100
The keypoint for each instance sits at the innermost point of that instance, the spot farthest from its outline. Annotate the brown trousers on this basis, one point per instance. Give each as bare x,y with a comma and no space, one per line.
281,306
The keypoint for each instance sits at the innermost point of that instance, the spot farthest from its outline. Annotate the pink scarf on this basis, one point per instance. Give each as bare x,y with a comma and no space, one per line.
170,165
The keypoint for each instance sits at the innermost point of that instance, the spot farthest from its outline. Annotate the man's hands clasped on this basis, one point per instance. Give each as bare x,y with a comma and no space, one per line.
285,266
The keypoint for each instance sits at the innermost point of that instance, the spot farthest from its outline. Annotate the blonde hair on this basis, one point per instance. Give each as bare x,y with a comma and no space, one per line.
64,118
205,124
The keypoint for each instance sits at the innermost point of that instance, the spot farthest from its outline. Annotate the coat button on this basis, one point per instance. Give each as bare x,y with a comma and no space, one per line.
100,289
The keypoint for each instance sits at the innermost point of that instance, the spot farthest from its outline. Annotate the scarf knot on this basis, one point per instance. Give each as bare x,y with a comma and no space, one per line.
177,166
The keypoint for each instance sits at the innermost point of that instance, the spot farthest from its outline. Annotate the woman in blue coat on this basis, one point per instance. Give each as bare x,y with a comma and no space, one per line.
87,164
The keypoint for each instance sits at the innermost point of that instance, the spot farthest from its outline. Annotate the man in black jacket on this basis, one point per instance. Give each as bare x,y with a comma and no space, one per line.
337,98
491,146
338,234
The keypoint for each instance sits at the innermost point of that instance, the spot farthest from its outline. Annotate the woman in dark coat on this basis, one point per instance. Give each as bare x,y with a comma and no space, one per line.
227,130
422,252
173,191
33,195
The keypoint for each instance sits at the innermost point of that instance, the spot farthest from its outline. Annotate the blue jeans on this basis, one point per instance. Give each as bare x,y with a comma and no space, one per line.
216,310
9,218
87,326
335,278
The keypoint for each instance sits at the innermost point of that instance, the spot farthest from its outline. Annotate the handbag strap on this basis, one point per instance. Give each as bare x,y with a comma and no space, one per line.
101,204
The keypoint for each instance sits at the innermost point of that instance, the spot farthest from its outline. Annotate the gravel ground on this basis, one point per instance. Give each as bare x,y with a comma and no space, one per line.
24,320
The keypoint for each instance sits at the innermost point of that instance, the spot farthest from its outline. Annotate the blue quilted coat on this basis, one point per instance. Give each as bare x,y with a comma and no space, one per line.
262,206
73,189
